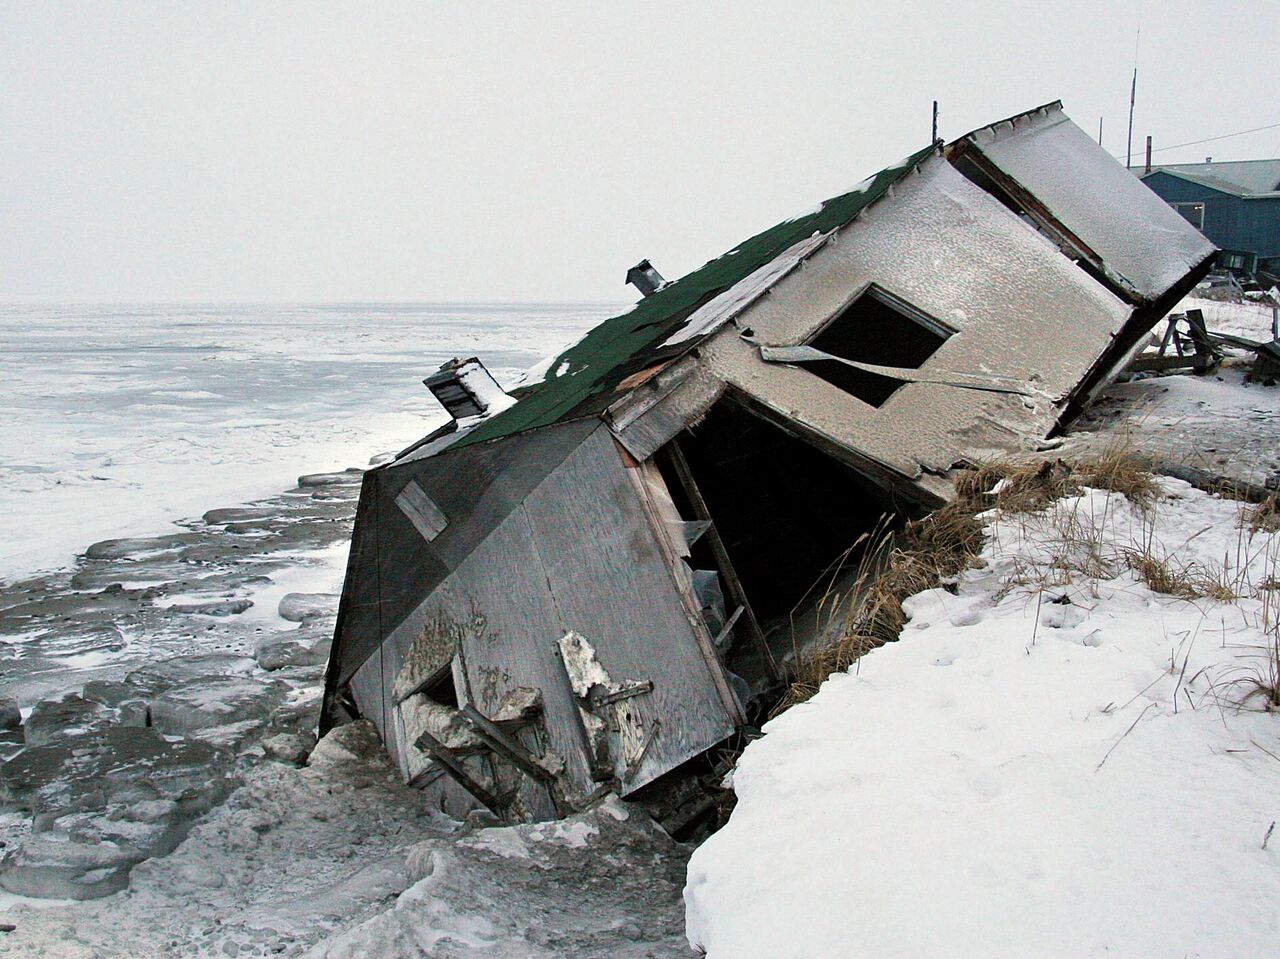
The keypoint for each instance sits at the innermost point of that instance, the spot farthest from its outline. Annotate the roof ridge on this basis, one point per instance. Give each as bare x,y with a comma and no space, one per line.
1275,160
609,345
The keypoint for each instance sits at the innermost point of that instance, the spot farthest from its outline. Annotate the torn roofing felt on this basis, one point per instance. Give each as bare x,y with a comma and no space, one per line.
600,359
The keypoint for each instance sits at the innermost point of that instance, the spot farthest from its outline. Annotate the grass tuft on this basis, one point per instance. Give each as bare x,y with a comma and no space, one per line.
893,567
932,551
1030,486
1262,517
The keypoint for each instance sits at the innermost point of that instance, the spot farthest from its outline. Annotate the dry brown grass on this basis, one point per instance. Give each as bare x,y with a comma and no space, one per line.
1188,581
1025,487
893,567
933,550
1262,517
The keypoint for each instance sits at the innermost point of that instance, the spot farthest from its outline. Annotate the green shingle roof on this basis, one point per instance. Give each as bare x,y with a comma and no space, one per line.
597,362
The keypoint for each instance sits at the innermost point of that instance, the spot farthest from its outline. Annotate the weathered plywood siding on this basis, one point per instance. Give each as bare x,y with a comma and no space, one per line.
393,566
499,601
366,690
612,584
1020,308
578,554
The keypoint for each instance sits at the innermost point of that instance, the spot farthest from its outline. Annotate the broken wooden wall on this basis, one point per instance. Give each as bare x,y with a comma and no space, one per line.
577,554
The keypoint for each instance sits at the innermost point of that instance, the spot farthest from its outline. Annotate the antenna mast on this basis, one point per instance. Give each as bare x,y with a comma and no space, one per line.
1133,96
1133,93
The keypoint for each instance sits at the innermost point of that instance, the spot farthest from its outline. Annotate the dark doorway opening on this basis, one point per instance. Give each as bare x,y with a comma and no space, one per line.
790,517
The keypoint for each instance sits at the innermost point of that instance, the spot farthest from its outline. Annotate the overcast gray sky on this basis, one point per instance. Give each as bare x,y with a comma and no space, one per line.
525,151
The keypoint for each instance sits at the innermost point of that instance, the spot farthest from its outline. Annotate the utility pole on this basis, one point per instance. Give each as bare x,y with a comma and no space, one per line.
934,139
1148,168
1099,131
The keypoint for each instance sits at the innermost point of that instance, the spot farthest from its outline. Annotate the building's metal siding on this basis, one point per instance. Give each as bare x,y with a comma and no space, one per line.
1231,222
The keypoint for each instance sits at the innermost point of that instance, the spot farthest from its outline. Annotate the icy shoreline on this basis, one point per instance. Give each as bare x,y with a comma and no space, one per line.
120,420
162,626
381,876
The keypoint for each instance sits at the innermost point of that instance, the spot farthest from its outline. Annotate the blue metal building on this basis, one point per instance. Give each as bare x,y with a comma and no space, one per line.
1236,204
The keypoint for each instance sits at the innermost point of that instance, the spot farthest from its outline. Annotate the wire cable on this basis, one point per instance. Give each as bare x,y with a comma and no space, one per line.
1225,136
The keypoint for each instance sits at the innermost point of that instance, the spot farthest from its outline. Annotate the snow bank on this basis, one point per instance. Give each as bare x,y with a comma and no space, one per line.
1058,771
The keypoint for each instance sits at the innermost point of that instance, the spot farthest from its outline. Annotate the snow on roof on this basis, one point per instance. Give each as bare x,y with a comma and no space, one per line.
1246,178
1144,244
597,362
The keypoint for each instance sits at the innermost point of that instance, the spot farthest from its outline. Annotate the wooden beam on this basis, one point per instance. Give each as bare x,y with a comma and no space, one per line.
725,629
454,766
723,562
1192,361
505,746
627,691
682,584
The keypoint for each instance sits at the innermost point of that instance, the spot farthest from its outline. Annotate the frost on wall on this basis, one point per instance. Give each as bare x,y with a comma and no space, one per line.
1021,311
1138,236
742,294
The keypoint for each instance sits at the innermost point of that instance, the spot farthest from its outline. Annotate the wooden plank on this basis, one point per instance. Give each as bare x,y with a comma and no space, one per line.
422,511
645,433
725,564
453,765
662,514
645,397
611,583
505,746
1192,361
728,626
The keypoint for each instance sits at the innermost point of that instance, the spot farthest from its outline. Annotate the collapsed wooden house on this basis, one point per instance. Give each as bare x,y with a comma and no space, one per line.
587,583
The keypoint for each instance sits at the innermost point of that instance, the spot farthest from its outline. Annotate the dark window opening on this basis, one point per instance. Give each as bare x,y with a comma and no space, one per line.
879,329
1193,213
791,518
440,688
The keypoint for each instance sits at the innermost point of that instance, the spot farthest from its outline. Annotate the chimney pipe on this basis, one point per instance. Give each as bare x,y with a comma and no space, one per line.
1148,169
645,278
466,389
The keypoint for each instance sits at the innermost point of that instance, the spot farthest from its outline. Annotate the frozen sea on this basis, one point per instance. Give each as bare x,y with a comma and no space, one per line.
117,420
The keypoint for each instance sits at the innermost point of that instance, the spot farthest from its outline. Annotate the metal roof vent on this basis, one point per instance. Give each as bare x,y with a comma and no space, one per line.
645,278
466,389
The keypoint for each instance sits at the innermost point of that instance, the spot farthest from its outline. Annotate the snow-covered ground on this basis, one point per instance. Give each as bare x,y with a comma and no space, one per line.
1219,424
1044,765
118,420
1054,760
1250,319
